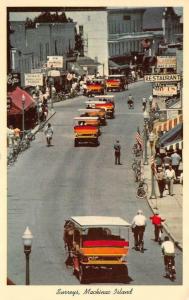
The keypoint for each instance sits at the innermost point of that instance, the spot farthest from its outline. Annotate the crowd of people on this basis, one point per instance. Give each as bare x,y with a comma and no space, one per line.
167,171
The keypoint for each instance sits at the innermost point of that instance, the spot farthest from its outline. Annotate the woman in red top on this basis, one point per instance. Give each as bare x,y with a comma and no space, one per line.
157,222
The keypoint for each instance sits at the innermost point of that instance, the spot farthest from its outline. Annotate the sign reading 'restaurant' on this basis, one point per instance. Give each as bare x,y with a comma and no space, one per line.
162,78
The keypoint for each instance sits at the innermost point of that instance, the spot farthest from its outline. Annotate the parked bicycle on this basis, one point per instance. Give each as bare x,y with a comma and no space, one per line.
137,152
136,164
142,189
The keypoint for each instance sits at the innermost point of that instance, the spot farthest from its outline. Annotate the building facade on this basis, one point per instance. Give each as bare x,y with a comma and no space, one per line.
32,45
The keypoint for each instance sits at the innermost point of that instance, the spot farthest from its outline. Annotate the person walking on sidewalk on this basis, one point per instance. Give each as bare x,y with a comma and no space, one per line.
170,177
48,133
117,153
138,227
175,158
157,222
160,177
166,161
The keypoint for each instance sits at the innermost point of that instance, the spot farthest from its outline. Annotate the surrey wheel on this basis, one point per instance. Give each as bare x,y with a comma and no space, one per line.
82,275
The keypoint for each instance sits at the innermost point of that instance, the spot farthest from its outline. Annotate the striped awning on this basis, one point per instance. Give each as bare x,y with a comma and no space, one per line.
168,124
174,145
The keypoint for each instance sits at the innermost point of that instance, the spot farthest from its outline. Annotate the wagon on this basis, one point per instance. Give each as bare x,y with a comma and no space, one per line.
99,244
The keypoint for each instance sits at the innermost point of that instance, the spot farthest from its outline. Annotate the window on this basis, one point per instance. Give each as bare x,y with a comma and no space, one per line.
41,51
47,49
81,29
126,18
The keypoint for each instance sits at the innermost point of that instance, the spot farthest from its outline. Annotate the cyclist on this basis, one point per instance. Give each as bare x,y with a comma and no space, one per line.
144,102
157,222
138,227
130,101
168,251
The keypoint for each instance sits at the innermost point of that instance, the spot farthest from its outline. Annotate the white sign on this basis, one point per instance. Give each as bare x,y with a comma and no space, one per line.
33,79
54,73
165,90
166,62
55,61
162,78
34,71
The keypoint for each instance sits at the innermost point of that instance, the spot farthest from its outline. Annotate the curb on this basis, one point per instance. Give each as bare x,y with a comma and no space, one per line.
39,127
165,227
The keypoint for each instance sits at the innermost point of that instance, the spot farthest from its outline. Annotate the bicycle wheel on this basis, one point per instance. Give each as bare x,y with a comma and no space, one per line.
141,193
134,166
145,187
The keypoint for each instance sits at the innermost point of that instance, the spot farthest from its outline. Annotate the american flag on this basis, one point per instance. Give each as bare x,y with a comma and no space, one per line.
139,138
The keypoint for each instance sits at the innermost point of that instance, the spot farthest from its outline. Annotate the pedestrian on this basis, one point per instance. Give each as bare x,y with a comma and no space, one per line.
144,102
175,159
160,176
157,222
158,161
17,135
11,135
48,133
117,148
138,227
170,177
166,160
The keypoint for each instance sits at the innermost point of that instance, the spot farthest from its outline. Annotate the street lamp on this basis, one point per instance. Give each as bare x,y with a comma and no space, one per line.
135,58
151,140
146,118
51,81
37,98
23,111
27,241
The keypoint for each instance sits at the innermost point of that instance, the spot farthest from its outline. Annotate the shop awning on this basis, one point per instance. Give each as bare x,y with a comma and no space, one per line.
113,65
16,101
76,68
172,136
174,145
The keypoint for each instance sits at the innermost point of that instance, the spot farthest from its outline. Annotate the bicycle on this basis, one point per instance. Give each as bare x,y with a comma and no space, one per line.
11,158
170,267
136,164
142,189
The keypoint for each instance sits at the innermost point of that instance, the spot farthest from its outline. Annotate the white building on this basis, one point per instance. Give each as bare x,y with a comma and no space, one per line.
93,25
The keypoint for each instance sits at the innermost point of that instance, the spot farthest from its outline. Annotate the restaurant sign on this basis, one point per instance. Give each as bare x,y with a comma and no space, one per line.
164,90
162,78
33,79
166,62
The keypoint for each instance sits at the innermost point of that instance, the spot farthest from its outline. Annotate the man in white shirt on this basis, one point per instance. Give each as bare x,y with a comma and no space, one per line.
170,177
138,227
168,251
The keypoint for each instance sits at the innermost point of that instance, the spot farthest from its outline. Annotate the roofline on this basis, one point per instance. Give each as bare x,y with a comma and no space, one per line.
54,8
125,10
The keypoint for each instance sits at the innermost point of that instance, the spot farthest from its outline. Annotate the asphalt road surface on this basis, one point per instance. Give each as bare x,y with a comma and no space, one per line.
48,185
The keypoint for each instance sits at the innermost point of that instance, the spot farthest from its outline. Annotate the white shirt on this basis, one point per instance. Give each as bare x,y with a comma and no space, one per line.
170,174
168,247
139,220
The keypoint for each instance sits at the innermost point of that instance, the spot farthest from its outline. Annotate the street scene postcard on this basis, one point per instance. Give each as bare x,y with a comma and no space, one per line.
95,150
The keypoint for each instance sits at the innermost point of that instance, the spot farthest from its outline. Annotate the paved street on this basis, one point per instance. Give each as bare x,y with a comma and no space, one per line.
48,185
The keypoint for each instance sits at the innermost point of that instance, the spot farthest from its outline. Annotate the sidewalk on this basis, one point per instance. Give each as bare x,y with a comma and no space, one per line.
169,207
